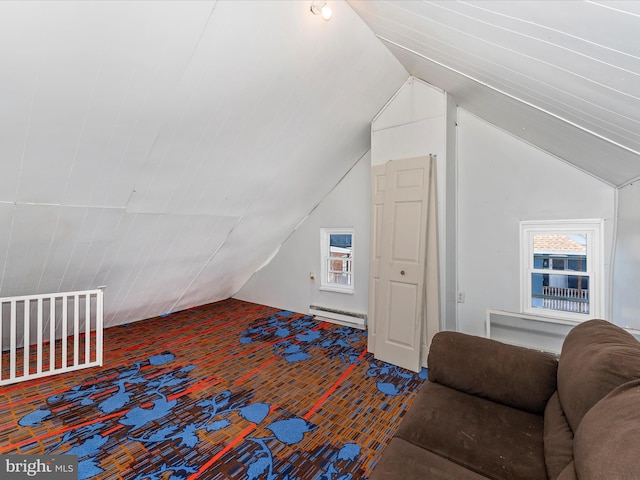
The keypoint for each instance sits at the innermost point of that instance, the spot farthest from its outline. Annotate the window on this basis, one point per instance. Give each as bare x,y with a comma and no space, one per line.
562,268
337,259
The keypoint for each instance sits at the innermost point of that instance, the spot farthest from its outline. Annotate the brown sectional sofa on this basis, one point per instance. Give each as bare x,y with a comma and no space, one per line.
491,410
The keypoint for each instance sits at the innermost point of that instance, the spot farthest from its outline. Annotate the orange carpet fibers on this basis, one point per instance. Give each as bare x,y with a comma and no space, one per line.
230,390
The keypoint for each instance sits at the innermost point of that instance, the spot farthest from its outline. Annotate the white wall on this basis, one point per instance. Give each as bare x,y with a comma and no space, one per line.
501,181
284,282
411,125
626,272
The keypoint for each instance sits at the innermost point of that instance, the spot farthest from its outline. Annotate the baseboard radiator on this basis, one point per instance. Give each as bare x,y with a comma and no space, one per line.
540,333
44,335
342,317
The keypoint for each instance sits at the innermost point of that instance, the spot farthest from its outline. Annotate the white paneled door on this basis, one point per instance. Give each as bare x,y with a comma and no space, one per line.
399,232
378,181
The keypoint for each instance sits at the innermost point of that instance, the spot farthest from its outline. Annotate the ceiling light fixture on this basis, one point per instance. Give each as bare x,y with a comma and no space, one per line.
321,8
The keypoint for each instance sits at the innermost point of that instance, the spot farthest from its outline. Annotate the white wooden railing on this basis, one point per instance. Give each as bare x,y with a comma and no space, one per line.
43,335
566,299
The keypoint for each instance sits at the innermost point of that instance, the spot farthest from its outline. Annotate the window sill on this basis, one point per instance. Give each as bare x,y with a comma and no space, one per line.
558,316
326,288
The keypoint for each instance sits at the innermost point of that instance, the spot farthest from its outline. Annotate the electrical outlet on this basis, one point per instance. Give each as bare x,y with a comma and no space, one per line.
460,297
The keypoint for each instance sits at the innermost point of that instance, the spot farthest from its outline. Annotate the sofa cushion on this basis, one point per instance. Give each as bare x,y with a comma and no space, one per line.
569,473
515,376
489,438
402,460
558,438
607,443
596,357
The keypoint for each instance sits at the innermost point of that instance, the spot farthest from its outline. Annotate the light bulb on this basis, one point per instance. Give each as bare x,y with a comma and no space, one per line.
319,7
326,12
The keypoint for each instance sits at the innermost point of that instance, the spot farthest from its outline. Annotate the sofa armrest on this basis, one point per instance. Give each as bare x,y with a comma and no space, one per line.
515,376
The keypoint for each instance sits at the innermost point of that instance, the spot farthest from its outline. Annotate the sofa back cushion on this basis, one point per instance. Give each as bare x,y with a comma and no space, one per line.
596,357
607,443
514,376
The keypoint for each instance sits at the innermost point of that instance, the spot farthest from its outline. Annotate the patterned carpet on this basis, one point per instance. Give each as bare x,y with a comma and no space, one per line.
230,390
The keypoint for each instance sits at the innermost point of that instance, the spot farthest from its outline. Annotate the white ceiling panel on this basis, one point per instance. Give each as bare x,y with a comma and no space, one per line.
569,143
156,259
49,248
7,211
224,161
96,76
239,257
28,242
576,63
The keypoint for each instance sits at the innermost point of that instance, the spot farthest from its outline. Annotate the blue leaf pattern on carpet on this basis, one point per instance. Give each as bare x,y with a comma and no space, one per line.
218,425
290,431
388,388
255,412
117,401
161,359
138,416
282,332
349,452
34,418
396,379
188,437
297,357
257,468
89,447
308,336
88,468
143,403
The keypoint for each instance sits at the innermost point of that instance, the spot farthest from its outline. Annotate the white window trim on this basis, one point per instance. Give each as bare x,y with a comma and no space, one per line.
594,229
324,255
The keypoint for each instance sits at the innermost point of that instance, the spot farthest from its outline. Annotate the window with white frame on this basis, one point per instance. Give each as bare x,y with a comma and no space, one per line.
337,259
562,268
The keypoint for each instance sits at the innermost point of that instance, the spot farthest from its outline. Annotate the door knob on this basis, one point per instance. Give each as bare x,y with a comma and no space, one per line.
401,272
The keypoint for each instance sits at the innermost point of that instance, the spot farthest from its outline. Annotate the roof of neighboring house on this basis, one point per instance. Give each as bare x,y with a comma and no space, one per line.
557,243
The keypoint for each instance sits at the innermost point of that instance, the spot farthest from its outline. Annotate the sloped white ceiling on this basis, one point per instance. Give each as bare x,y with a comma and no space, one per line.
165,149
563,75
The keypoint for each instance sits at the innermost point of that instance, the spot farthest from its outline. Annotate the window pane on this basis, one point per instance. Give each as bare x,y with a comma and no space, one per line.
339,270
340,245
577,264
339,263
565,293
342,240
560,252
337,251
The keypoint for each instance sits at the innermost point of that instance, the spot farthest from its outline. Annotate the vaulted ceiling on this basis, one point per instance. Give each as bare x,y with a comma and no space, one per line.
165,149
563,75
